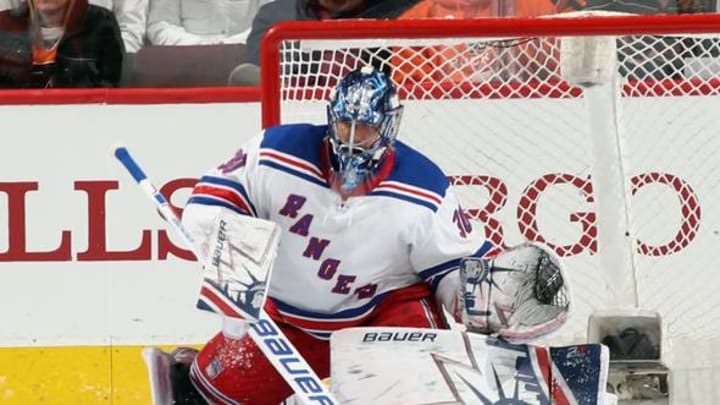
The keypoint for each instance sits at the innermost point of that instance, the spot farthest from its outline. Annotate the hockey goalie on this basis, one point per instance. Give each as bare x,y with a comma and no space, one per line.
372,235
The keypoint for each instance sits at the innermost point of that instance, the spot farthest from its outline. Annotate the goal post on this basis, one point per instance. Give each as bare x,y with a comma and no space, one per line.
618,173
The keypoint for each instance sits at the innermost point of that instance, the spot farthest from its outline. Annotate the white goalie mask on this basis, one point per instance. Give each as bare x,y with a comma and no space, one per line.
520,294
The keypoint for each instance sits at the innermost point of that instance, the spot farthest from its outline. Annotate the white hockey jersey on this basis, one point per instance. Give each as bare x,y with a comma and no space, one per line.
339,258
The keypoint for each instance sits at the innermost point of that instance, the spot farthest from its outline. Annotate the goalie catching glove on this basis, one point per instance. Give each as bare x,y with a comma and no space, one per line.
520,294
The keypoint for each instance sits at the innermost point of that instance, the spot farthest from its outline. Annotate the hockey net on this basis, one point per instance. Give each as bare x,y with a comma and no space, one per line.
619,178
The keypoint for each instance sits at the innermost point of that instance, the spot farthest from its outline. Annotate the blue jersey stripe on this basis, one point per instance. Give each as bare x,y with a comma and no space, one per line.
486,247
403,197
296,173
435,281
217,203
436,273
230,184
427,273
435,270
345,314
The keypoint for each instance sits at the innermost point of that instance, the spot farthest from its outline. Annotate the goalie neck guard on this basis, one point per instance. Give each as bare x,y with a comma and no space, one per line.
363,120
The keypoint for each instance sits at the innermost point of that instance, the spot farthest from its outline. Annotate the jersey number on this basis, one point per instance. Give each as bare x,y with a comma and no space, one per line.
462,222
235,162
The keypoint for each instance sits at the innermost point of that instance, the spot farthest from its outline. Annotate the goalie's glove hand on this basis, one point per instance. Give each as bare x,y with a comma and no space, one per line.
520,294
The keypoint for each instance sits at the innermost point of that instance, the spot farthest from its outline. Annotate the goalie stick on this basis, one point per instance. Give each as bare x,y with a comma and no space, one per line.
278,349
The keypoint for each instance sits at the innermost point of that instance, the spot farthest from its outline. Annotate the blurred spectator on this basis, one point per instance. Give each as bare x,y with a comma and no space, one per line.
643,57
479,9
248,74
131,15
697,6
59,43
623,6
201,22
480,60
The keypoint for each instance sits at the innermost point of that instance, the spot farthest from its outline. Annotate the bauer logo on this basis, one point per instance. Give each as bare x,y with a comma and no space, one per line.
221,238
399,337
291,364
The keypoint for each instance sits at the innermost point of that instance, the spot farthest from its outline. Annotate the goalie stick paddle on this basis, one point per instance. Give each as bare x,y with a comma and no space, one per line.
278,349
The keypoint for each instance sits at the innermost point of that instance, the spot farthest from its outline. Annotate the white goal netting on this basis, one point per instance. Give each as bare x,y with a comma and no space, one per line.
621,179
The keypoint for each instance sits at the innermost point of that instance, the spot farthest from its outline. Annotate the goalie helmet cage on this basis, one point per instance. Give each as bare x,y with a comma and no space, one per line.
618,175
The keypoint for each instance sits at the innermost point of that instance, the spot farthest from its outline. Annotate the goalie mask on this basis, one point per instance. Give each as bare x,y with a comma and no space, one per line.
520,294
363,120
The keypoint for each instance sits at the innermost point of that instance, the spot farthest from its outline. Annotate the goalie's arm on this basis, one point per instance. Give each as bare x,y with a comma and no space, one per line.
440,239
233,185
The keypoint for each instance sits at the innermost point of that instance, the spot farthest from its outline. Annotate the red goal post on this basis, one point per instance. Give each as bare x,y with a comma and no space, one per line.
619,178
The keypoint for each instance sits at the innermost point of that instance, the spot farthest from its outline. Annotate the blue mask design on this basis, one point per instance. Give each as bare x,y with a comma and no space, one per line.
367,97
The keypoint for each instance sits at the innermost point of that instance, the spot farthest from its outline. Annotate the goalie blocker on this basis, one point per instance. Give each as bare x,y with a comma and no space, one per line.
239,253
520,294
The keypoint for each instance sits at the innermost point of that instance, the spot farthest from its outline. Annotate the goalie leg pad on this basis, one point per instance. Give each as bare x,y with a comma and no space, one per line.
520,294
